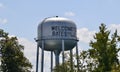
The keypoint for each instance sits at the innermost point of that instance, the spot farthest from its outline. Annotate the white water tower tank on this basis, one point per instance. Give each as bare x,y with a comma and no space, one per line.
55,29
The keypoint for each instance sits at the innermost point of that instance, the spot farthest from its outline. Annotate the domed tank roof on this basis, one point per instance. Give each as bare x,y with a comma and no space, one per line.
55,29
57,19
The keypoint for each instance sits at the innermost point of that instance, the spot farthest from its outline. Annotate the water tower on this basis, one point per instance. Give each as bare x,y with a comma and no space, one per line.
56,34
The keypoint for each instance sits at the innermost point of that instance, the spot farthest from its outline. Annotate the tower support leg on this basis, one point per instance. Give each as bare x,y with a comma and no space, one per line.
51,61
63,57
42,57
63,49
71,60
57,53
37,58
77,57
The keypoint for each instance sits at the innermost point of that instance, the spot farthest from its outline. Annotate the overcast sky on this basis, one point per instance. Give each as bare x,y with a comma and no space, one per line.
21,18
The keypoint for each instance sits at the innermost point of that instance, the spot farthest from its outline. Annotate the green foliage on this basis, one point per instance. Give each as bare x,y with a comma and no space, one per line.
101,57
12,57
104,49
64,67
86,62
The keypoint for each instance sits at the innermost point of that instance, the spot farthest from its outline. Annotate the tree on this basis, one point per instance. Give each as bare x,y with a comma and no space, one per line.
105,50
12,57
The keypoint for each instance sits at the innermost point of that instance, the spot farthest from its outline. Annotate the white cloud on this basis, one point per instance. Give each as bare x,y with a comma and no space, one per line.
29,49
69,14
30,52
1,5
85,35
3,20
114,27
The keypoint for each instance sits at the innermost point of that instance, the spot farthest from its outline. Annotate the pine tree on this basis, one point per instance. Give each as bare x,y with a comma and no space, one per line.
104,49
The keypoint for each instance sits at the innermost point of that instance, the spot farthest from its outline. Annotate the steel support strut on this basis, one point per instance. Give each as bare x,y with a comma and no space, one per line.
42,57
51,61
37,58
77,56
